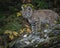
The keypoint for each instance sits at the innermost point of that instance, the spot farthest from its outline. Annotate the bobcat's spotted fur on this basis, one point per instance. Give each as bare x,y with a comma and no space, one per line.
38,17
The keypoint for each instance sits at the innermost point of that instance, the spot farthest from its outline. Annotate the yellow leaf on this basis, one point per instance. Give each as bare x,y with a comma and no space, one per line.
18,14
28,30
11,37
21,31
15,33
8,32
26,25
24,29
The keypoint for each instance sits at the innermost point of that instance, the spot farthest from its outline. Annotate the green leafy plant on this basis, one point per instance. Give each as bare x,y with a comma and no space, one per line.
41,4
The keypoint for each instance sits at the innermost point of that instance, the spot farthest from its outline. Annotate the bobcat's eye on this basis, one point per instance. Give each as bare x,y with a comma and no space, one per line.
29,8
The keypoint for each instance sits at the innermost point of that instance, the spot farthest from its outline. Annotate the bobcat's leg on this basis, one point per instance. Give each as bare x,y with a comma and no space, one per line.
34,27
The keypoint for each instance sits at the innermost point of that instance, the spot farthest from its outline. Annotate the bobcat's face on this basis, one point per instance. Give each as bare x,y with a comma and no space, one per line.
26,12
